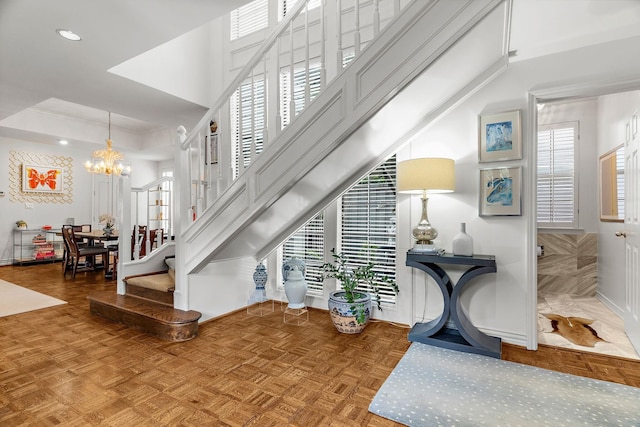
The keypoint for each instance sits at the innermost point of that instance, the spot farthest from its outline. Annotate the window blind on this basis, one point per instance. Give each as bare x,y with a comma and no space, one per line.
251,17
557,180
299,82
368,224
307,244
620,181
242,132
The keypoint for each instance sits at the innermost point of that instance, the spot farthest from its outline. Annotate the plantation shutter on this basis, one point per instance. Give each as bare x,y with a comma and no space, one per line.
369,225
241,123
251,17
620,181
299,82
557,180
307,244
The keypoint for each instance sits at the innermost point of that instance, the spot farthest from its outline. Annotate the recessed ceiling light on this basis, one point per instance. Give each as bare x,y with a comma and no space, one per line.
63,141
69,35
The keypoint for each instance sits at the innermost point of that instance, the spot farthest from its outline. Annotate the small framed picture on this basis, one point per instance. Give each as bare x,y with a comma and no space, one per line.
499,137
500,191
42,179
211,155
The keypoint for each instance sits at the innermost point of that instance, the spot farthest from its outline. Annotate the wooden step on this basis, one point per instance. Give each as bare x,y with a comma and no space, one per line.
153,318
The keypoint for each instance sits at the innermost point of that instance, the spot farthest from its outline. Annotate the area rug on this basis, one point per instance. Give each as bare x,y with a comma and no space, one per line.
433,386
15,299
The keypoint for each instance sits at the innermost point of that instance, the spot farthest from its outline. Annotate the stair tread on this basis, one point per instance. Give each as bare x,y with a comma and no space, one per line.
145,307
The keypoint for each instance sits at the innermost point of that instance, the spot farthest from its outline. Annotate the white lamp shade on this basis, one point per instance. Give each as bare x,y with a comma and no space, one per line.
433,175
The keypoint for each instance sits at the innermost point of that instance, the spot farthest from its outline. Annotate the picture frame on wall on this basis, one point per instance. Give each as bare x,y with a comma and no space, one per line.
42,178
499,137
211,157
500,191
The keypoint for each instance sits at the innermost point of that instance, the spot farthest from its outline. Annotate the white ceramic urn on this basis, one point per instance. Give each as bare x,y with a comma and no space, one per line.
295,288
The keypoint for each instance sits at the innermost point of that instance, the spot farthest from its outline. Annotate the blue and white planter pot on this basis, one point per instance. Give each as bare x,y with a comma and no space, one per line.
344,319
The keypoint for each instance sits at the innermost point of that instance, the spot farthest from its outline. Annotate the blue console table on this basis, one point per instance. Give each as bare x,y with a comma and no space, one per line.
466,337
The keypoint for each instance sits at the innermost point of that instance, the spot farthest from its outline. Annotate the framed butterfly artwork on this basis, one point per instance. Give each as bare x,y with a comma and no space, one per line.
42,179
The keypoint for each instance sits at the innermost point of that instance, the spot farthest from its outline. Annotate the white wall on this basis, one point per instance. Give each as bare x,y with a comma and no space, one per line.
222,287
54,214
614,112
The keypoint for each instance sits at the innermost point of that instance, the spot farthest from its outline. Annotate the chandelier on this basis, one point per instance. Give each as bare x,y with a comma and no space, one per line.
106,161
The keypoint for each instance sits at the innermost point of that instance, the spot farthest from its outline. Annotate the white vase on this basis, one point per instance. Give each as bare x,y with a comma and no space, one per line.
462,242
295,288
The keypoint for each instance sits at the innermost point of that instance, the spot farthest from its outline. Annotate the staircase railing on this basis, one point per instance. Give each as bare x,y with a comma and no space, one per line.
218,150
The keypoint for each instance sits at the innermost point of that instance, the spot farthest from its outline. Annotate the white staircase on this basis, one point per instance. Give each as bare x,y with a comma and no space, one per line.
426,60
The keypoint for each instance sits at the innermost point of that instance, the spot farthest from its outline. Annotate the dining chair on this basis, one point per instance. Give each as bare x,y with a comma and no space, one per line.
76,252
156,237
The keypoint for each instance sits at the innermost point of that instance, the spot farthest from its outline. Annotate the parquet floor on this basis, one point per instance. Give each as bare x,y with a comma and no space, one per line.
62,366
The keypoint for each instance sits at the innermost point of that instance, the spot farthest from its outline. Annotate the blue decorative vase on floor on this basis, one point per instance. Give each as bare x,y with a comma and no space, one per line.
260,279
342,315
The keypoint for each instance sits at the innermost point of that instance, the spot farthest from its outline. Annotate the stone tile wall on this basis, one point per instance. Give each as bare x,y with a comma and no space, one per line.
569,264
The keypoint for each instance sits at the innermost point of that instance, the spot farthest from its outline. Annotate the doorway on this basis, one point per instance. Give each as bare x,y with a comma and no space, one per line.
580,275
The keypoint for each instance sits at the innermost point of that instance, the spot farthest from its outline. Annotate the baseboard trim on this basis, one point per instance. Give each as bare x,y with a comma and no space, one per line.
613,307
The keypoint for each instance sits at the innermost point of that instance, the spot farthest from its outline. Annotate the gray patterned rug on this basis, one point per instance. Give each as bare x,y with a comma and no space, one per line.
432,386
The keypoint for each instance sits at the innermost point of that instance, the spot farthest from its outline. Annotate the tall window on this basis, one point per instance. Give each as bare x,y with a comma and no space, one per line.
299,83
557,178
307,244
368,229
369,224
251,17
247,123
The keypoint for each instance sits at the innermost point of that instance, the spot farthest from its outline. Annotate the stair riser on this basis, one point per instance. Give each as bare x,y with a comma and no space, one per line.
153,327
165,298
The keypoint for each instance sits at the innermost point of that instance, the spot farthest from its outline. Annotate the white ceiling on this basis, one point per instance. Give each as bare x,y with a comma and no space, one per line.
44,76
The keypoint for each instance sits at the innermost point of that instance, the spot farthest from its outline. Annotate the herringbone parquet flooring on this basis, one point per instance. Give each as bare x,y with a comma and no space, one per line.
63,366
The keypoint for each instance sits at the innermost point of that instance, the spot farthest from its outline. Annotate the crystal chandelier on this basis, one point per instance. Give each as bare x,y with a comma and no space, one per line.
106,161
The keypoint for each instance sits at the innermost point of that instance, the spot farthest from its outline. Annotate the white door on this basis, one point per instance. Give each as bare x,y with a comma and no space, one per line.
104,198
632,231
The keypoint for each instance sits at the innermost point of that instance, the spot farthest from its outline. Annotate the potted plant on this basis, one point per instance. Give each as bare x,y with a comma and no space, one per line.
21,225
109,224
349,307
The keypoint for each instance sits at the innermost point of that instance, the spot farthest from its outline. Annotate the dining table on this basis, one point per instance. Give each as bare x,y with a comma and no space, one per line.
98,236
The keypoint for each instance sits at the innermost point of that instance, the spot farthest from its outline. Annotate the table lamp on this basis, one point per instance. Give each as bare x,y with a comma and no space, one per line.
423,176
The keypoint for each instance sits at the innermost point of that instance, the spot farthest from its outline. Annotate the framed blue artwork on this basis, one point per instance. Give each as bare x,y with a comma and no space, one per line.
499,137
500,191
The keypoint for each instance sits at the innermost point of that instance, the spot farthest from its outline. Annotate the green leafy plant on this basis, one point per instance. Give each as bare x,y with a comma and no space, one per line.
351,278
